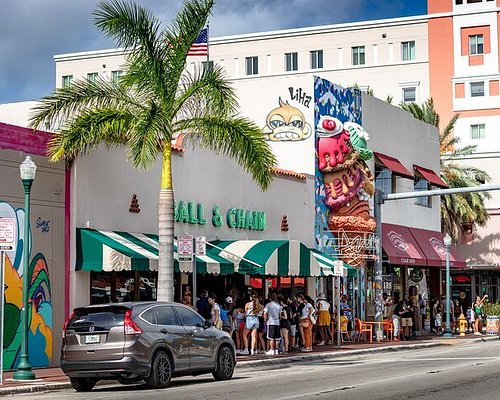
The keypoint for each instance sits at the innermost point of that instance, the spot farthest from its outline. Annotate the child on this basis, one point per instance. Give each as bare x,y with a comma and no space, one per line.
439,322
469,319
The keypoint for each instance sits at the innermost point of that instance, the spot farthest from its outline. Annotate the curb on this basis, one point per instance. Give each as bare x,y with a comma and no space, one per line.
252,364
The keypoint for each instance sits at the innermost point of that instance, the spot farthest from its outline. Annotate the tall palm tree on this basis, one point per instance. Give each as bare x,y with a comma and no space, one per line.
153,102
460,208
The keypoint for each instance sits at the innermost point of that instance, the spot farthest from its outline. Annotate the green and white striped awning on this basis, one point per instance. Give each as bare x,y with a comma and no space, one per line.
99,250
274,257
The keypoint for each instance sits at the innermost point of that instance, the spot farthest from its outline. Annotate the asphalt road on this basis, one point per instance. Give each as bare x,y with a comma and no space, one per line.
464,371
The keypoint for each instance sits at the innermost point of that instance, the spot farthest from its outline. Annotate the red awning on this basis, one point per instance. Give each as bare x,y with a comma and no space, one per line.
431,176
400,246
394,165
431,242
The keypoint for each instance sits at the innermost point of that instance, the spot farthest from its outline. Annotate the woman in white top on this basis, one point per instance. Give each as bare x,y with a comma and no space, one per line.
215,311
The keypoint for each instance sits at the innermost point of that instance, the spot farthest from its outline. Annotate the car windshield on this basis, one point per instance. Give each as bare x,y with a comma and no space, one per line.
99,319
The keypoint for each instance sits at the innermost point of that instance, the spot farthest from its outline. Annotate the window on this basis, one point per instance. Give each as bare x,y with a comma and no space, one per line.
384,179
165,316
66,81
419,185
408,51
316,59
149,316
291,62
207,64
409,94
476,44
358,55
115,75
252,65
476,89
188,317
477,131
92,77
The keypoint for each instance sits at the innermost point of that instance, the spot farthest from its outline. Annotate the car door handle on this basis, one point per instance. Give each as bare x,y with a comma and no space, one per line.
163,330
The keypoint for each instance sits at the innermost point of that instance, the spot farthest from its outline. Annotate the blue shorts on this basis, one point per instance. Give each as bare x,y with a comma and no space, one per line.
252,322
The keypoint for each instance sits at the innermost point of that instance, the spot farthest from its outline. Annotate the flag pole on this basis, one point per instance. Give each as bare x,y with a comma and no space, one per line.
208,42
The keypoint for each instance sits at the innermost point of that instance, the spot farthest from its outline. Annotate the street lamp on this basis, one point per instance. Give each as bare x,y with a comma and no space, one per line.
28,170
447,242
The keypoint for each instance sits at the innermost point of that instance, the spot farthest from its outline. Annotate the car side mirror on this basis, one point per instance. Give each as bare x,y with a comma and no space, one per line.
207,324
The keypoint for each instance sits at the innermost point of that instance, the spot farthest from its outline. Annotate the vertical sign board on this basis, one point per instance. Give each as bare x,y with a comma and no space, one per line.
7,243
201,245
338,271
185,247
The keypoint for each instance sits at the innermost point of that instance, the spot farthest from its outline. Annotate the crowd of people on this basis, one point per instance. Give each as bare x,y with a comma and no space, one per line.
281,324
409,315
275,325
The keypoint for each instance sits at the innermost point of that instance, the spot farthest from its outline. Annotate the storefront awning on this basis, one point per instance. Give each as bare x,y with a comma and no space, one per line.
394,165
431,243
431,176
100,250
274,257
401,247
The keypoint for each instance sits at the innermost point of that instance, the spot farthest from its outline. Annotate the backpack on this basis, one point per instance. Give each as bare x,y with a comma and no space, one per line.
227,321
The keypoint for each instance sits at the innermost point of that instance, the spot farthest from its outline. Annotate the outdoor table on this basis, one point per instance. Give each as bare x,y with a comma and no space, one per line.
377,325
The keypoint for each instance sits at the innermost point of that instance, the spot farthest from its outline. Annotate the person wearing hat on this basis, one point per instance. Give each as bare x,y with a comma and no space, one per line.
323,332
227,315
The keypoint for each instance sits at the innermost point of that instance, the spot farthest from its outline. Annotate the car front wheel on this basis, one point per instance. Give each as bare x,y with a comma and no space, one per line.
225,364
161,371
82,384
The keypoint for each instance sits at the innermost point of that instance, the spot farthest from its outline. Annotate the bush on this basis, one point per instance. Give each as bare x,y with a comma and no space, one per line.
491,309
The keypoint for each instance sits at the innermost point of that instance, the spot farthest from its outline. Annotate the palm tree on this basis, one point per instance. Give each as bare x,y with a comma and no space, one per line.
153,102
460,208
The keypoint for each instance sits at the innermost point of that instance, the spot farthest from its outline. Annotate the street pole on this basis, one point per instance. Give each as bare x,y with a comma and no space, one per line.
377,271
339,334
24,369
195,284
447,332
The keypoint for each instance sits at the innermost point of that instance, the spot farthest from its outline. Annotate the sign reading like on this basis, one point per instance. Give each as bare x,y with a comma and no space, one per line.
7,234
185,247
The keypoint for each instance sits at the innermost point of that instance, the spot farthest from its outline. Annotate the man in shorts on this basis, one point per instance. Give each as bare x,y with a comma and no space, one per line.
272,313
406,319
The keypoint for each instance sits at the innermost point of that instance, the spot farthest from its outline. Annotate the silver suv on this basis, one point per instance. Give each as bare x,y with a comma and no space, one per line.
150,341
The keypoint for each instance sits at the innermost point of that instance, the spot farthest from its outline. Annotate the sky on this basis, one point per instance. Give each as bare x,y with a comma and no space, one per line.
33,31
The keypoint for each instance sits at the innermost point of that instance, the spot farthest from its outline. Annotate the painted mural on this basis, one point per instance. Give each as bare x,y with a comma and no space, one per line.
287,123
344,183
40,303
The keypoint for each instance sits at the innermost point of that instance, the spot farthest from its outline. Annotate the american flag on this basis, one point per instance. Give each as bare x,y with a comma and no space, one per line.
200,45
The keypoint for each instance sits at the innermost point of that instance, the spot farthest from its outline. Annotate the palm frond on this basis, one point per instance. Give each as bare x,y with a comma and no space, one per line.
89,129
238,138
64,103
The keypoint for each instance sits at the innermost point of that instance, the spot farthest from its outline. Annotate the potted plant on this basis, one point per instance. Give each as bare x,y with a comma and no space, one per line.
492,312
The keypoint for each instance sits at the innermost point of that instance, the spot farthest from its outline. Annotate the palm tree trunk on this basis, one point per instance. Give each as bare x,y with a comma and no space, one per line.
165,290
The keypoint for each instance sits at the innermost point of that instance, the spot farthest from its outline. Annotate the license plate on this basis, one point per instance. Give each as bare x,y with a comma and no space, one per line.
92,339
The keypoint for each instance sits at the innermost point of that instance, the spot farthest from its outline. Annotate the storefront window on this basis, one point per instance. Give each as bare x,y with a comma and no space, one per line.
120,286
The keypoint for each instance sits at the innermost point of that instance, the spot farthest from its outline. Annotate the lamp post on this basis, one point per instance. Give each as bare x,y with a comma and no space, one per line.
447,242
28,170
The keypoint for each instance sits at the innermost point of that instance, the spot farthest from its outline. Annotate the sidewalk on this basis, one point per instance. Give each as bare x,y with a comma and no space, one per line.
54,379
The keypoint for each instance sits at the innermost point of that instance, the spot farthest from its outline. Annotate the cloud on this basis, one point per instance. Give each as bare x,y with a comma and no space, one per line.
33,31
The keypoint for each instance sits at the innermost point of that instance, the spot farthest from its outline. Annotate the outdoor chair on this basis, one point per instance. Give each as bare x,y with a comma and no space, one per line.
344,324
361,329
388,329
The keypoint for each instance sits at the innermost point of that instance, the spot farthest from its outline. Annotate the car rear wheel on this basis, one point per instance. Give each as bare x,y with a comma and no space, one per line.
225,364
161,371
83,384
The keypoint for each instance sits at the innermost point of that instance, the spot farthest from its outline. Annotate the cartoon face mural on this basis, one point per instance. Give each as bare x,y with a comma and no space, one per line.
39,307
286,123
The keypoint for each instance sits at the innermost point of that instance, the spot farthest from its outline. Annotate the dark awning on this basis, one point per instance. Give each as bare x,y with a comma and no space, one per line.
400,246
394,165
431,243
431,176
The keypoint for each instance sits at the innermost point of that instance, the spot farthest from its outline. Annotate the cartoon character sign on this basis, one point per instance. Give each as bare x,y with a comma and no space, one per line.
286,123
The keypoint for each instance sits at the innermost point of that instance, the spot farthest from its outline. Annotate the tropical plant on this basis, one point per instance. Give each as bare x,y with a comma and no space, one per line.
154,101
491,309
460,208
